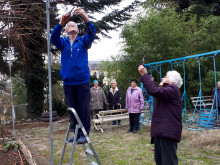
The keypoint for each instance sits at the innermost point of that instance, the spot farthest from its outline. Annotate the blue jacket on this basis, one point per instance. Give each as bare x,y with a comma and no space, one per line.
74,60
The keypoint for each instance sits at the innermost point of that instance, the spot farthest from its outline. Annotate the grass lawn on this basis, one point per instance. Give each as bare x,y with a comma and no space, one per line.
116,147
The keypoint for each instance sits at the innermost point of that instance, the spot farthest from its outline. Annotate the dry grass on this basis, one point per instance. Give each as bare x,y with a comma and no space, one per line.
116,147
208,140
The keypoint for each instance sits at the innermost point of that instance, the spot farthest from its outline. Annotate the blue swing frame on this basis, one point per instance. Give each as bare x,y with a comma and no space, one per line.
206,119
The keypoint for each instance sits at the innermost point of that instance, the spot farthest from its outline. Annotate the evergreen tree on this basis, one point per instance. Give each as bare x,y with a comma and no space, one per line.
27,19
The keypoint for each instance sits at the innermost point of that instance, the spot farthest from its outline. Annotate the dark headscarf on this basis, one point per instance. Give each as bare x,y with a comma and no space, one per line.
134,81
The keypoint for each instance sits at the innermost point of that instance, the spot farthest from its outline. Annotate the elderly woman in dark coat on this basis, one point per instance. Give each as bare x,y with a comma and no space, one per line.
166,127
114,99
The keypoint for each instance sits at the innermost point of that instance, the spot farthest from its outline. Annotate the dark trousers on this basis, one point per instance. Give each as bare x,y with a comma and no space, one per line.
218,111
114,107
78,97
217,119
165,151
134,121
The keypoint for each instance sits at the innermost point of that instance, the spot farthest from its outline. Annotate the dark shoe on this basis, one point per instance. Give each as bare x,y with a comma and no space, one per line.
119,123
70,140
72,130
129,130
82,140
114,123
134,131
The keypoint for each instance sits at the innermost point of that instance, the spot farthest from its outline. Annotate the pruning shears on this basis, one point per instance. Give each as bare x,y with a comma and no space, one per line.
66,18
143,61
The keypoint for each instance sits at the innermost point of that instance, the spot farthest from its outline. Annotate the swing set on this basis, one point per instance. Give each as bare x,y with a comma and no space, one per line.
204,115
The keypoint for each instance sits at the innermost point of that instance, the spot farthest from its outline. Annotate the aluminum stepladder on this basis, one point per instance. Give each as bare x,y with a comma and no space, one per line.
89,153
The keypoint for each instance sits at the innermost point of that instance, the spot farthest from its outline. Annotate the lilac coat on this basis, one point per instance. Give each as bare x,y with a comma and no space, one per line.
134,101
166,119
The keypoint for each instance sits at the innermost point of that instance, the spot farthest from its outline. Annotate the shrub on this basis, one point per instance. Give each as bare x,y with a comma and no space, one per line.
59,106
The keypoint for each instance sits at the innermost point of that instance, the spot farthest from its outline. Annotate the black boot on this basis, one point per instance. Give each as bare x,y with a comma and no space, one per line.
134,131
114,123
129,130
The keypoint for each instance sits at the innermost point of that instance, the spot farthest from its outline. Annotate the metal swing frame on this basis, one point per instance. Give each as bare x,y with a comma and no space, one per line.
207,117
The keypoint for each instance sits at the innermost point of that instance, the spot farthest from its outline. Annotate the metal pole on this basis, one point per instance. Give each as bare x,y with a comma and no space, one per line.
12,104
160,74
50,82
10,63
184,86
216,94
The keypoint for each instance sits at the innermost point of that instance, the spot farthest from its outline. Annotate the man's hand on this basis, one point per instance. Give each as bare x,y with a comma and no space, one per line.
80,12
65,18
142,70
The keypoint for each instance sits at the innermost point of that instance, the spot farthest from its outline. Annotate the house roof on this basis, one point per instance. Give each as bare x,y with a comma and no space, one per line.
94,65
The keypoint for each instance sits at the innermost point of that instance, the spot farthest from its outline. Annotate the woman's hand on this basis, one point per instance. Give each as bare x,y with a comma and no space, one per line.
142,70
161,84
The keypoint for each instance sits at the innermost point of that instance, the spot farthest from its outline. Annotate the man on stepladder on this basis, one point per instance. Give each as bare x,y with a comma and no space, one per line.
74,67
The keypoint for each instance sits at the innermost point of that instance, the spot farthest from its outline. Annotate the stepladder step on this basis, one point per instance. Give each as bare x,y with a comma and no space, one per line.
70,143
93,163
88,151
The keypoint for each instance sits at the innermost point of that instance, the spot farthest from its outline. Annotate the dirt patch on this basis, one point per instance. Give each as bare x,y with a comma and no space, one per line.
27,124
12,158
59,132
31,125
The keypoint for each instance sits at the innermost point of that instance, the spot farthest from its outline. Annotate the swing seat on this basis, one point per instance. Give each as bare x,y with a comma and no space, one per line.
207,118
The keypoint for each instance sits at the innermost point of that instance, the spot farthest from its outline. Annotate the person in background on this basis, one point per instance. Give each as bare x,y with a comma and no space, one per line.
166,125
134,105
114,99
152,77
97,98
218,98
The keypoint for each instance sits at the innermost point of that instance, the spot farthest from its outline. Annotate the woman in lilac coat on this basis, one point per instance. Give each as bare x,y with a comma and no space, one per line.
134,105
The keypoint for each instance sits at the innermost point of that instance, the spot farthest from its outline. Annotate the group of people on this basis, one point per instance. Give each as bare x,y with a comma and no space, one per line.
166,126
97,98
134,101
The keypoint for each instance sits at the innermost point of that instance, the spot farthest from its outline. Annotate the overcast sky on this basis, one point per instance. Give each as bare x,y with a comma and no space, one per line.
105,47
